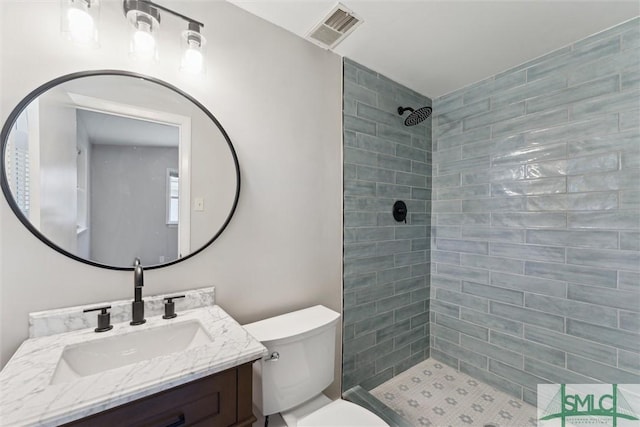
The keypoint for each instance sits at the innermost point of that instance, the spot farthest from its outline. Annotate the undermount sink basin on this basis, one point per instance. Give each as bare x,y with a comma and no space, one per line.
115,351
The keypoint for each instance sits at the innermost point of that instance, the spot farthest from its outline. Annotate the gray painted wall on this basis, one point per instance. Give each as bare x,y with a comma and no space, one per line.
386,264
270,259
128,204
536,217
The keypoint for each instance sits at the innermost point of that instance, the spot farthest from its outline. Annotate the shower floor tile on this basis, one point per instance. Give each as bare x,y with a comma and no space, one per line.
434,394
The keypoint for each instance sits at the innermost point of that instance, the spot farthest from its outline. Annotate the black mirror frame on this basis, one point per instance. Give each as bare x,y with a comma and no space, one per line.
8,125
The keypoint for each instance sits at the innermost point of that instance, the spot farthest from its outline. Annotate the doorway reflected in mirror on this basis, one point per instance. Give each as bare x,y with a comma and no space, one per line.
109,166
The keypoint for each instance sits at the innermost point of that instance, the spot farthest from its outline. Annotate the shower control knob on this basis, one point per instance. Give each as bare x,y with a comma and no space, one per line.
400,211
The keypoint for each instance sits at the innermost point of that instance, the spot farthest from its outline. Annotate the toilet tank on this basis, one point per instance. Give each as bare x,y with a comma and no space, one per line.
305,343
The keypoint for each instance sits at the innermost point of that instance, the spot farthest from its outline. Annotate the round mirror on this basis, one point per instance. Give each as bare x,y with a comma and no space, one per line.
109,166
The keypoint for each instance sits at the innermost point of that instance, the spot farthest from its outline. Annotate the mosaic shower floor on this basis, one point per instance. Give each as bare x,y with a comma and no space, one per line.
434,394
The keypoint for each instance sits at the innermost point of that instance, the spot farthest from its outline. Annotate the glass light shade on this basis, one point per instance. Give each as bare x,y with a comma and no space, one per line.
193,50
143,37
79,21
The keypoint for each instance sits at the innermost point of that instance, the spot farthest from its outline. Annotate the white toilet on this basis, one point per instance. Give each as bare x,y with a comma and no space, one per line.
290,381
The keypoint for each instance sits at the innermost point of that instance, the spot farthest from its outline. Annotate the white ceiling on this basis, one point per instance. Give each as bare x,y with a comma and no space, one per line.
108,129
438,46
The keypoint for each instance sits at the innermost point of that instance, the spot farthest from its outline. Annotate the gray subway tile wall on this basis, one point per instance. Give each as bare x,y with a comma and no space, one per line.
386,263
536,218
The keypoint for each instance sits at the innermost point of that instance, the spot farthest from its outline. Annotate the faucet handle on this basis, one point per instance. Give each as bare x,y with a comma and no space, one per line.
170,307
104,318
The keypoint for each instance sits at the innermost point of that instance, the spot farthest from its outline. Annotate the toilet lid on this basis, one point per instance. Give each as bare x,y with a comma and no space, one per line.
341,413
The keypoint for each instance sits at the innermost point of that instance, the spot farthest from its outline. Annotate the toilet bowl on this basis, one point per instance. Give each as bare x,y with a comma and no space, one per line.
323,412
299,367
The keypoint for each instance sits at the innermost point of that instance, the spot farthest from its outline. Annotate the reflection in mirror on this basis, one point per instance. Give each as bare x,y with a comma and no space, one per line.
107,168
127,171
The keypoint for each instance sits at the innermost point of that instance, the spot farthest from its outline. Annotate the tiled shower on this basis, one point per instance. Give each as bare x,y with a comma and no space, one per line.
386,263
528,234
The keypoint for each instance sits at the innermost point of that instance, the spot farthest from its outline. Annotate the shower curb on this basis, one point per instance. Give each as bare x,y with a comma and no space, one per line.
362,397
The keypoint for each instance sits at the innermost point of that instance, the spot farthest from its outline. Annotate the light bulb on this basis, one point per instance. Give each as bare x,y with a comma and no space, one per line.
143,42
192,60
193,48
81,25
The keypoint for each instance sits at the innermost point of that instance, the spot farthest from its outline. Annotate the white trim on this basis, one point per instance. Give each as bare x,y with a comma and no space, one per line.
184,172
168,220
33,120
184,151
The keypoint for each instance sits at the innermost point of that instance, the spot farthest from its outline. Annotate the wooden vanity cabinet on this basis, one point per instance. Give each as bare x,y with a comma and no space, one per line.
219,400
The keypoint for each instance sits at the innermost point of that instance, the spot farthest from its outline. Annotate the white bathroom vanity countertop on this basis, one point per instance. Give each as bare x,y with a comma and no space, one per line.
27,397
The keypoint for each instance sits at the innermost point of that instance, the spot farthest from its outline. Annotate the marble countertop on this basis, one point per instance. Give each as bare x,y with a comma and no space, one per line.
27,397
61,320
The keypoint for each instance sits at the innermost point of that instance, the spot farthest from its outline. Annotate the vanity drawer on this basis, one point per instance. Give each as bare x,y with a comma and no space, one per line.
217,400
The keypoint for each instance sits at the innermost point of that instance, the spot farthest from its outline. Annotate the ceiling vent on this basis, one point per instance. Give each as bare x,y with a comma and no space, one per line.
329,32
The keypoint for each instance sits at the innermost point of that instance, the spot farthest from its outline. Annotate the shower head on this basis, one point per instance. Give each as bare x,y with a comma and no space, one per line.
416,116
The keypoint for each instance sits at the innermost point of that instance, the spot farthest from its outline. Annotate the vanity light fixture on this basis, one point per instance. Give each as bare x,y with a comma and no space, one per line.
193,50
145,23
144,17
79,21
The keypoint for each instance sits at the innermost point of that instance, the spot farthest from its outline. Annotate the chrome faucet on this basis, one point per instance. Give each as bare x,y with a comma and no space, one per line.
137,307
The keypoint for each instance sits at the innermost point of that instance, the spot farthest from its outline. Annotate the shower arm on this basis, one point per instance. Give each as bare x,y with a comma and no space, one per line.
401,110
